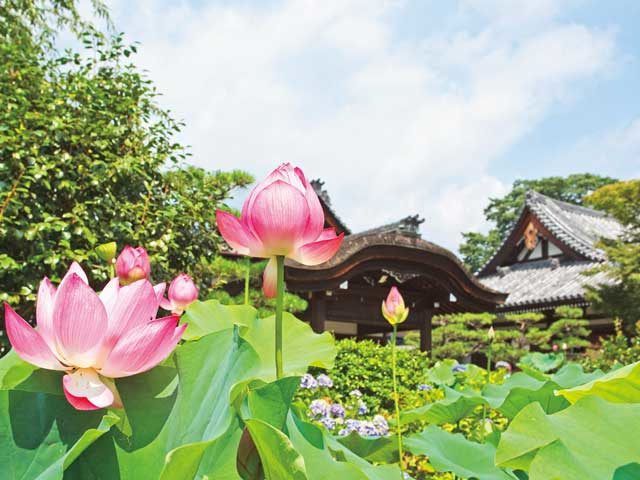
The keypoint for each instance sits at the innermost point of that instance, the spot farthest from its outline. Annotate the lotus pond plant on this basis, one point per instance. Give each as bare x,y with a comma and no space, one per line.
96,337
281,218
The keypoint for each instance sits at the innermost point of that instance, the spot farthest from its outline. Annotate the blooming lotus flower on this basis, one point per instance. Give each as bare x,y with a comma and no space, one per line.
393,308
182,293
132,264
281,216
94,338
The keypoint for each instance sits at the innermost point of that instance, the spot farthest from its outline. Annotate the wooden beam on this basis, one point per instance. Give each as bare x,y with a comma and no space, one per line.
426,343
318,311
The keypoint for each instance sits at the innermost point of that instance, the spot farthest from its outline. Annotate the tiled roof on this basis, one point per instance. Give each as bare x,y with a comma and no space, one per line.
323,195
544,281
579,228
409,226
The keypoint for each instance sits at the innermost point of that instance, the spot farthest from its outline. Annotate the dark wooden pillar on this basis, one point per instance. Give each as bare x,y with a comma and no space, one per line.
425,331
318,311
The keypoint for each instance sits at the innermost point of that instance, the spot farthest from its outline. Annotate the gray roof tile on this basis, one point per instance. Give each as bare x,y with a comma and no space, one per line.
544,281
577,227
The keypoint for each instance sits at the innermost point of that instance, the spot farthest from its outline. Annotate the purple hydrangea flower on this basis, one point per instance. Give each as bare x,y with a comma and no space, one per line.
381,424
337,410
307,381
328,422
325,381
459,368
355,393
319,408
423,387
362,408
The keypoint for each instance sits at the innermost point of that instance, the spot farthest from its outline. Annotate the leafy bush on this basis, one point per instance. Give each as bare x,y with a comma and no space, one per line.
366,366
614,351
88,156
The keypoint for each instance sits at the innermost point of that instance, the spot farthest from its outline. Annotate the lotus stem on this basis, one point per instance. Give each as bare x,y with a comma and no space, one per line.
279,306
247,276
396,399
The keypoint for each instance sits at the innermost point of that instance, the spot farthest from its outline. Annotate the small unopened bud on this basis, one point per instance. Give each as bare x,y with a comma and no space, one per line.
107,251
491,334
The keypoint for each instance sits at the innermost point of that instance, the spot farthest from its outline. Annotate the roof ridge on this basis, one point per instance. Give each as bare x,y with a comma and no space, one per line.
531,194
559,227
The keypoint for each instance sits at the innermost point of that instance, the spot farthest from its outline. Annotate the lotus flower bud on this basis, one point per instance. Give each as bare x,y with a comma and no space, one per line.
282,216
132,264
393,308
491,334
182,293
107,251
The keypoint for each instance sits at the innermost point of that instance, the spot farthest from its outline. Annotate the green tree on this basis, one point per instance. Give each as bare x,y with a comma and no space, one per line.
461,335
87,156
621,298
503,212
569,331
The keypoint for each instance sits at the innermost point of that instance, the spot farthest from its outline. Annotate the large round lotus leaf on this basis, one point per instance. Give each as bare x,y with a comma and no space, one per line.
452,452
589,439
619,386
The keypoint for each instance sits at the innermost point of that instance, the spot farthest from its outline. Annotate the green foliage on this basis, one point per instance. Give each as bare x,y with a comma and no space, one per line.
463,334
619,386
620,299
454,453
87,156
569,331
614,351
542,362
477,248
590,439
366,366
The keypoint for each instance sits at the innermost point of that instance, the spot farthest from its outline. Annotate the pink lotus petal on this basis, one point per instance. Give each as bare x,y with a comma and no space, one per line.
137,304
85,383
285,173
109,295
270,279
316,216
159,289
143,348
44,311
79,322
166,304
318,252
79,403
326,234
279,217
77,269
28,343
234,232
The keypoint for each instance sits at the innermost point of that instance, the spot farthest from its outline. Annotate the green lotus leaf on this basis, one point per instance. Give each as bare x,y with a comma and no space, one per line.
589,439
619,386
452,452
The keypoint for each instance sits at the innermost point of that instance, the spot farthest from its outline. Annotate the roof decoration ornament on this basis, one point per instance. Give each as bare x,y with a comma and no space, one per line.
531,236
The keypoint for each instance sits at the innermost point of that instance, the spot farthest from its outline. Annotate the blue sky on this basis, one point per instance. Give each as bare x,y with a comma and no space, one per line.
401,106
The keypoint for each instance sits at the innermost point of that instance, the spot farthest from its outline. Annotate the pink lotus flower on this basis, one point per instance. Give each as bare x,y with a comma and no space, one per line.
182,293
94,338
393,308
132,264
281,216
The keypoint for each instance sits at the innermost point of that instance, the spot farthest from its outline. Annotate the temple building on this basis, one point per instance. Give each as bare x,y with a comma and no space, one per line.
345,293
539,267
543,261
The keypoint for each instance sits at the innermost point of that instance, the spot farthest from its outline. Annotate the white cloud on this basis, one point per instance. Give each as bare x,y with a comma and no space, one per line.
617,149
393,126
